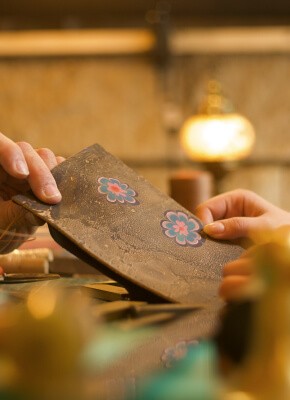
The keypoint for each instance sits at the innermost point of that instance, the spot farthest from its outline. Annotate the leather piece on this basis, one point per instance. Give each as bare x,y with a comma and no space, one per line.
126,240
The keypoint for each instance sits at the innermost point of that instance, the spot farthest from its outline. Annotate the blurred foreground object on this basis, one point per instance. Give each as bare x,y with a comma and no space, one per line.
264,374
40,345
195,377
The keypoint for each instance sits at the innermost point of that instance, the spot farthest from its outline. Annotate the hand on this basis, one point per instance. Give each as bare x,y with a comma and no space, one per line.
237,275
240,214
23,168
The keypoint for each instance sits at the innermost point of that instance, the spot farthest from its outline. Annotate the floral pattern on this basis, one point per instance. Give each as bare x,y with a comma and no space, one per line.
116,191
182,228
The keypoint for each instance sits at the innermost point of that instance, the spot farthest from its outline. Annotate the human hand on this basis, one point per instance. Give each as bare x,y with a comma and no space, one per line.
237,275
240,214
235,215
23,168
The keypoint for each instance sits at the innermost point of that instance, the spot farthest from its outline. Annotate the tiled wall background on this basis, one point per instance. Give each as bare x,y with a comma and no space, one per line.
123,104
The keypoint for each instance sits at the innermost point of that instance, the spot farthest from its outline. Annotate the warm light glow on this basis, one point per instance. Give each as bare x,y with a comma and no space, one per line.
220,137
41,302
75,42
238,396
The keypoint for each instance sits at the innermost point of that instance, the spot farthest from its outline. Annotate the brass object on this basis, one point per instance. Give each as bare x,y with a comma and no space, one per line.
105,292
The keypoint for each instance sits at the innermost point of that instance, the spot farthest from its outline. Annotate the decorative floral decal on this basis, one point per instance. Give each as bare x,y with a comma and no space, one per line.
175,353
182,228
117,191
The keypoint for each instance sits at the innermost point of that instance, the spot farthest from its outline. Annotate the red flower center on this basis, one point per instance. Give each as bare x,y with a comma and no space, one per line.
181,227
113,187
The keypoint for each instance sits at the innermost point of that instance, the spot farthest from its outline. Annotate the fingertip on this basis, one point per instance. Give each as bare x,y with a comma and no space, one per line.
242,266
60,159
21,168
233,287
204,214
215,229
33,220
50,194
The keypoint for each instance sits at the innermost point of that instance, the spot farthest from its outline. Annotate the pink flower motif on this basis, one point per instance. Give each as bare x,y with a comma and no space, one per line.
116,191
182,228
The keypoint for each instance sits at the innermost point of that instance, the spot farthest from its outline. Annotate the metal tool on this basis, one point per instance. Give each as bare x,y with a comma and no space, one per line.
26,277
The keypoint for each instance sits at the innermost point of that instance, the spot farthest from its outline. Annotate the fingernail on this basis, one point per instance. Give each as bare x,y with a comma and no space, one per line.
214,228
50,191
21,167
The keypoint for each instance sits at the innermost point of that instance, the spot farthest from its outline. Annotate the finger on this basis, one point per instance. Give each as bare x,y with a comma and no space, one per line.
40,178
60,159
33,220
48,157
236,203
220,207
232,287
242,266
12,159
204,213
232,228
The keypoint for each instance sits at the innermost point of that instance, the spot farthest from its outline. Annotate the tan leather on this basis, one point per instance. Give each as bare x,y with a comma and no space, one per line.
118,222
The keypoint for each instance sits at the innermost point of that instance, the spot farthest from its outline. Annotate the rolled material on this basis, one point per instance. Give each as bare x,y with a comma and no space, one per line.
36,260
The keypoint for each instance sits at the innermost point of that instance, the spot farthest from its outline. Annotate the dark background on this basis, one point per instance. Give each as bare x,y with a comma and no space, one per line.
35,14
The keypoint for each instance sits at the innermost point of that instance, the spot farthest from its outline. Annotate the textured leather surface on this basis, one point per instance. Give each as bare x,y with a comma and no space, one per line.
130,237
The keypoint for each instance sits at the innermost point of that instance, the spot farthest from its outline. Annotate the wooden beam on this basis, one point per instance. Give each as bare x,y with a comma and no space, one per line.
231,40
75,42
225,40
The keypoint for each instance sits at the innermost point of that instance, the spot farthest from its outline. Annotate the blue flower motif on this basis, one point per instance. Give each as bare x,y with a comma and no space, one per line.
116,191
182,228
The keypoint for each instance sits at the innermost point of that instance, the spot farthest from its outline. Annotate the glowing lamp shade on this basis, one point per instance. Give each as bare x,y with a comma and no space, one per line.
217,137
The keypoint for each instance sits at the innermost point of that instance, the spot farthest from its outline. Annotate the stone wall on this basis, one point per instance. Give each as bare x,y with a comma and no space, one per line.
120,102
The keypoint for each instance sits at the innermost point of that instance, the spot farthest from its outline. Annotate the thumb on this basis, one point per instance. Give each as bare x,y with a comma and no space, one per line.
231,228
18,220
